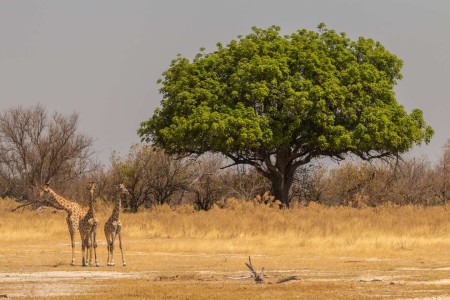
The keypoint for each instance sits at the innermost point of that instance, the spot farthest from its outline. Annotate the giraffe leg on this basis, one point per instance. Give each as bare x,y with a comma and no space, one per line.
111,247
108,246
119,231
83,250
91,248
72,240
71,227
94,244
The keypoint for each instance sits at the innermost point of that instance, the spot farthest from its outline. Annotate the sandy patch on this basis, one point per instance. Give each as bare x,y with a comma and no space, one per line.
439,282
57,283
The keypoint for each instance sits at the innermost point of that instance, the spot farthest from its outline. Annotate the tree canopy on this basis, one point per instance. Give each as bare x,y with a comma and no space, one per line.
276,102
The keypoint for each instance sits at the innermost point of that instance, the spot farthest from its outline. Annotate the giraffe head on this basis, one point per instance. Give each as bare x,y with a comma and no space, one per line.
92,187
123,190
122,194
44,189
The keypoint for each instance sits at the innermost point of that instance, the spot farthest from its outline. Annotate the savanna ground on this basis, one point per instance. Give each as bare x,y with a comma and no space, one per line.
337,253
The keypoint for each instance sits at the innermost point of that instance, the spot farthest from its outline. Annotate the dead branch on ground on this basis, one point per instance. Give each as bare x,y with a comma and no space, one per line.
259,277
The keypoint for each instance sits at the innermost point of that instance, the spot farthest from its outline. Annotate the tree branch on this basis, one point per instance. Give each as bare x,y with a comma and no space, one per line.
368,156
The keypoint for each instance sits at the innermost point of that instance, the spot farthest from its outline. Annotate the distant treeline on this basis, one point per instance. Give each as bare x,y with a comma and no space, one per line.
36,148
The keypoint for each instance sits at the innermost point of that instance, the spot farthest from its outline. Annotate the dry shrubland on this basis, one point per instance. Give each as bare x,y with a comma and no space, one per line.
259,226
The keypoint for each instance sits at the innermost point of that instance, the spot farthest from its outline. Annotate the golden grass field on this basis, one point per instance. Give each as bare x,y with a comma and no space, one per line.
336,252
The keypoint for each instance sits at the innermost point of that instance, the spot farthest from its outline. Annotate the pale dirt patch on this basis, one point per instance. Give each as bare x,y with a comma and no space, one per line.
48,284
57,283
70,283
439,282
424,269
427,298
368,259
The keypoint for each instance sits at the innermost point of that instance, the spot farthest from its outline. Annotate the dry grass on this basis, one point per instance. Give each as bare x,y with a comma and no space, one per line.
339,253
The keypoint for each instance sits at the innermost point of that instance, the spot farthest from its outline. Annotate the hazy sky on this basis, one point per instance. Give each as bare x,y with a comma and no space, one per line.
102,58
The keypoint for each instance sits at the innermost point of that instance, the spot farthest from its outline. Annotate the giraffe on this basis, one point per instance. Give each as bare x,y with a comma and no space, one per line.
88,231
113,227
74,214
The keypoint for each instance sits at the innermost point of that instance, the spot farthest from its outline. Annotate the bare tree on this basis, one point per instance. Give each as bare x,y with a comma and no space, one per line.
244,183
152,176
208,193
35,148
346,182
307,183
442,178
399,181
208,187
414,182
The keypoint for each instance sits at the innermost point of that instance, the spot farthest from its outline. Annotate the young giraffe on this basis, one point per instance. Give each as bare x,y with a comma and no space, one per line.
88,231
74,214
113,227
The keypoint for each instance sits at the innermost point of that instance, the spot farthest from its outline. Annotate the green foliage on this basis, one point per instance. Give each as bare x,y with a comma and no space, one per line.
317,90
299,96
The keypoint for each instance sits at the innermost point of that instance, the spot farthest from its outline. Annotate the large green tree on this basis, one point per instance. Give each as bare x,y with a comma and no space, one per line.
277,102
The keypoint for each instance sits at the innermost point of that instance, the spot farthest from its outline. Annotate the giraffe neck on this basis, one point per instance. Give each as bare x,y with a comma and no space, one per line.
91,204
117,208
67,205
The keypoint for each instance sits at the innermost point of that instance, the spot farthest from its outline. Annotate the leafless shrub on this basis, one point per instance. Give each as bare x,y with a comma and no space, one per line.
208,186
152,176
308,184
414,182
442,176
244,183
398,181
343,183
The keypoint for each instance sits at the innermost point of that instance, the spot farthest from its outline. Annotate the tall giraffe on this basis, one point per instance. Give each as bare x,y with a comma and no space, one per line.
113,226
74,214
88,231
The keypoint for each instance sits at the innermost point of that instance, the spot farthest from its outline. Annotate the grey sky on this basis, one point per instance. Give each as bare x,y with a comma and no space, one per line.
102,58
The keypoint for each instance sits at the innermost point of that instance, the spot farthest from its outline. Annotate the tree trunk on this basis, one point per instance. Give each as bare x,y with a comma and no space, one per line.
133,205
281,186
281,174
